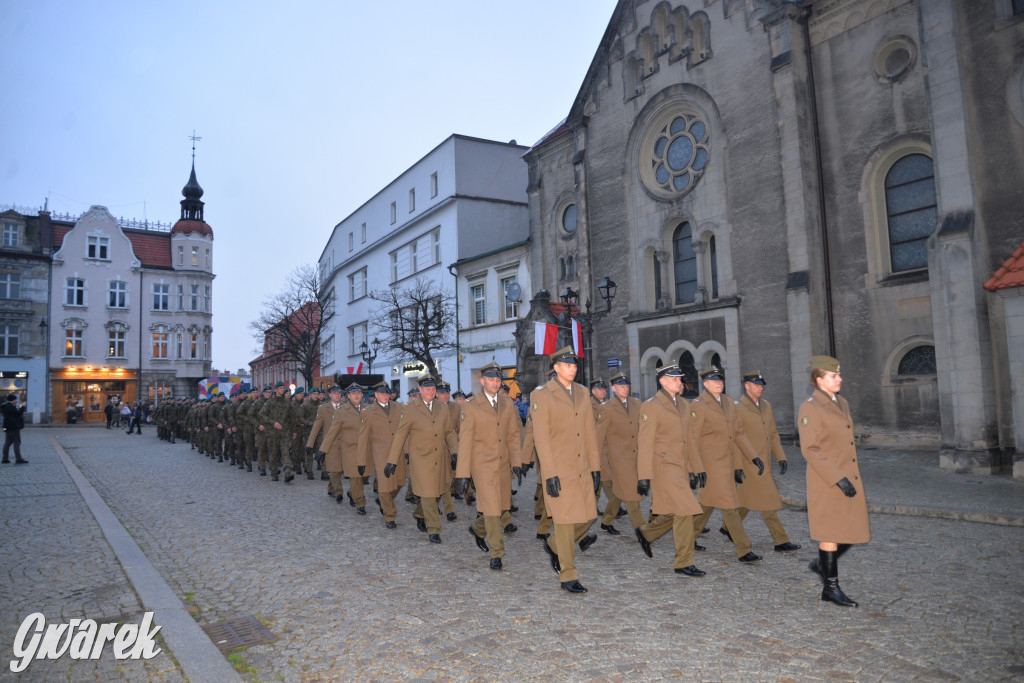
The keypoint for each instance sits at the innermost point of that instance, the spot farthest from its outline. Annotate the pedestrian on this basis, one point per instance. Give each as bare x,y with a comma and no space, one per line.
489,453
126,414
565,436
109,411
135,423
14,422
837,510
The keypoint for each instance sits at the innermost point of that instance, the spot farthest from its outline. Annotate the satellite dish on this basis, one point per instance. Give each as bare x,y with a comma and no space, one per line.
513,292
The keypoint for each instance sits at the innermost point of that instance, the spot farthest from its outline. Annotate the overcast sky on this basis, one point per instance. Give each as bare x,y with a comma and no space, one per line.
305,110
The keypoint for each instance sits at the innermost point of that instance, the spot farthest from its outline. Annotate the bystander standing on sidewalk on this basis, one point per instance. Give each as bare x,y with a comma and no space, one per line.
14,422
108,410
126,414
135,419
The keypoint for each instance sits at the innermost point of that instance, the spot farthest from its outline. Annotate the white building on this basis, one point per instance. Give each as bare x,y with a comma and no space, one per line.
466,197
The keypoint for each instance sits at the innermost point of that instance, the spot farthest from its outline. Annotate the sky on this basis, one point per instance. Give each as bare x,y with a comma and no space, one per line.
305,110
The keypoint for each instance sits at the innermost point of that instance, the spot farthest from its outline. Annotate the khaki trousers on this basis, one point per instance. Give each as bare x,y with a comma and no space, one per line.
682,533
489,527
563,542
612,508
772,521
355,489
334,486
636,518
426,510
732,522
387,505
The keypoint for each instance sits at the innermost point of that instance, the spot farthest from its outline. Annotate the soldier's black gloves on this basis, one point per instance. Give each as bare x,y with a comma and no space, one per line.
783,466
702,479
526,467
847,487
362,470
518,471
643,487
553,486
738,476
455,459
321,455
597,481
760,465
693,481
309,451
459,486
389,469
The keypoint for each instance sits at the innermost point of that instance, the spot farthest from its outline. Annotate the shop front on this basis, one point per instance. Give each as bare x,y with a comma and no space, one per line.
82,395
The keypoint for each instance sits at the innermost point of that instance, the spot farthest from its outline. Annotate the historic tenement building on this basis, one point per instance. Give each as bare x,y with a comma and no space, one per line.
769,180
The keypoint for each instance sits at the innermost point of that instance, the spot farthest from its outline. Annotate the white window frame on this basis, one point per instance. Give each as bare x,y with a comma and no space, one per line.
12,235
478,295
195,256
75,291
193,298
117,294
10,286
433,184
76,336
510,308
97,247
161,341
327,352
412,199
164,295
117,340
357,285
356,336
10,338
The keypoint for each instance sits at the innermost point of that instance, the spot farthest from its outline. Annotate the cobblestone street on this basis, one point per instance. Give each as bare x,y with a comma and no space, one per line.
939,599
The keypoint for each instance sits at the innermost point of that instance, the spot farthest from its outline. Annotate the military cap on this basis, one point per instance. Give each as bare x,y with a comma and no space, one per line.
413,391
619,378
598,383
469,395
492,369
254,389
754,377
504,387
334,389
268,388
278,383
427,380
459,393
671,370
712,373
826,363
353,388
381,388
300,390
444,388
564,355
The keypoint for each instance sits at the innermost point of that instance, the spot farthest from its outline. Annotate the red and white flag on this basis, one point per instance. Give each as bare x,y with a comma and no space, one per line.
577,338
545,338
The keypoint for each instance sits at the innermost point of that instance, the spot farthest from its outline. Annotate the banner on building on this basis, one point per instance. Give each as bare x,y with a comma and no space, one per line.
212,386
545,338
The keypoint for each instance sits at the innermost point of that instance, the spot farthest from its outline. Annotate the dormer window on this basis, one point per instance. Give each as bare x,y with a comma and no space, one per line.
11,234
97,247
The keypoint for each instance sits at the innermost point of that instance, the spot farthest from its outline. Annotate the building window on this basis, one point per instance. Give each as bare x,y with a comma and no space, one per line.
206,345
11,234
351,241
207,258
74,292
412,200
181,297
116,342
713,258
206,299
685,261
478,294
569,218
919,360
420,254
327,352
433,184
97,247
10,286
911,211
356,336
362,233
160,342
195,256
511,307
394,213
161,297
357,285
179,346
658,288
117,294
181,256
675,153
193,345
194,298
73,343
9,340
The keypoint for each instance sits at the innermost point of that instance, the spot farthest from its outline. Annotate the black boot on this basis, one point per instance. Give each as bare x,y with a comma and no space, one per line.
828,561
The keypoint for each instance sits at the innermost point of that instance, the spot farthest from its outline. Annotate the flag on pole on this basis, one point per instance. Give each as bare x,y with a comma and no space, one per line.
545,338
577,338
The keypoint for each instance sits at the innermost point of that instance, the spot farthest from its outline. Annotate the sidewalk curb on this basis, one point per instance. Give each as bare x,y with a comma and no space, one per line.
935,513
198,657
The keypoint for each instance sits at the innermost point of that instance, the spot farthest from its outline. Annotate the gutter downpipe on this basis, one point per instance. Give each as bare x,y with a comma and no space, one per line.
458,351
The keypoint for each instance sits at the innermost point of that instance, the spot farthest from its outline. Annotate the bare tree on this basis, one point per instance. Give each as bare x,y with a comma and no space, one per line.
418,321
292,320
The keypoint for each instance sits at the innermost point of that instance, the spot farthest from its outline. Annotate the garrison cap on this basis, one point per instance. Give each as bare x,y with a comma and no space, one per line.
619,378
381,388
669,371
492,369
712,373
427,380
826,363
599,384
564,355
755,377
353,388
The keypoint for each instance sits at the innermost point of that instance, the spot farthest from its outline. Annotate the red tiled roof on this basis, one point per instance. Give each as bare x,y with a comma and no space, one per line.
187,225
1011,274
152,248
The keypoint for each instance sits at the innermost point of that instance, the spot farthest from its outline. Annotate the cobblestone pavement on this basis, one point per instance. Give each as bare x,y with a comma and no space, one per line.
940,599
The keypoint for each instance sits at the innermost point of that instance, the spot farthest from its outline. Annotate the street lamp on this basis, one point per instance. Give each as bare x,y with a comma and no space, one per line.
44,330
587,320
369,353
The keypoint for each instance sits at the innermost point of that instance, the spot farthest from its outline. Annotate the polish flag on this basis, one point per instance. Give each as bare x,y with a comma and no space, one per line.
545,338
577,338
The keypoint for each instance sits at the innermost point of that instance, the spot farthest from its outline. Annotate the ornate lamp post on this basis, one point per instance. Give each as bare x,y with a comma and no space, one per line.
587,320
369,353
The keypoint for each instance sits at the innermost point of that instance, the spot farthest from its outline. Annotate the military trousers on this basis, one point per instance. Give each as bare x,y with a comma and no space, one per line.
563,542
356,492
334,485
612,508
427,510
732,522
636,518
262,453
544,527
387,504
489,527
682,533
772,521
279,445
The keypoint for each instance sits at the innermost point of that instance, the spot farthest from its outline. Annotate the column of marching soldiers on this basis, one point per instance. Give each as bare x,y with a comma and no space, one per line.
690,456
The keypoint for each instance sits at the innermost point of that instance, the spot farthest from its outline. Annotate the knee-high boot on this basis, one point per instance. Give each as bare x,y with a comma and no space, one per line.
828,560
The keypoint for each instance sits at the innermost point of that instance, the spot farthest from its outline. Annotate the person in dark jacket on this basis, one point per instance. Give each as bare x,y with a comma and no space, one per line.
109,411
136,419
13,424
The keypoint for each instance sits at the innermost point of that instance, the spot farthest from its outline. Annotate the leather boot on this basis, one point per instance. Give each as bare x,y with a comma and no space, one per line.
828,560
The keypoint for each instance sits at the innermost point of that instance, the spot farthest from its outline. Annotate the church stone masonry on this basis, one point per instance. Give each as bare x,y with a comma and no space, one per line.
768,180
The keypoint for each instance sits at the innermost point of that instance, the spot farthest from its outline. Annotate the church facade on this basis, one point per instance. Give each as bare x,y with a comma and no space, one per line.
766,181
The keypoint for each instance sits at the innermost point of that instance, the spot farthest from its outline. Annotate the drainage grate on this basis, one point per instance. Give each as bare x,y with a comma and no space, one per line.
239,632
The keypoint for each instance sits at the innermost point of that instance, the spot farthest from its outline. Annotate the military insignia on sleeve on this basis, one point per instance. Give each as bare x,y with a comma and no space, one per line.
643,418
804,421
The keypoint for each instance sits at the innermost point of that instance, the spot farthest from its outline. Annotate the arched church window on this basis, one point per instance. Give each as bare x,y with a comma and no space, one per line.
911,211
689,375
685,262
713,258
674,153
919,360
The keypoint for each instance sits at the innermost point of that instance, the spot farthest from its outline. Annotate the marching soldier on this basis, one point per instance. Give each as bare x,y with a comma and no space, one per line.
719,438
599,395
444,394
489,441
760,493
310,411
621,426
669,466
376,433
247,423
331,459
277,420
565,437
426,423
297,445
259,429
345,430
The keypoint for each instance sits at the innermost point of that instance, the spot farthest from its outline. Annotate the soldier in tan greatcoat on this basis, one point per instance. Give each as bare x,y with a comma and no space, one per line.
599,395
837,509
622,426
718,434
669,466
760,492
565,437
332,458
444,395
345,427
488,452
377,432
426,423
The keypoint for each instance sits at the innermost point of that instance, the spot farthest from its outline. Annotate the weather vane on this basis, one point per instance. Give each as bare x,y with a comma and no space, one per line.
194,140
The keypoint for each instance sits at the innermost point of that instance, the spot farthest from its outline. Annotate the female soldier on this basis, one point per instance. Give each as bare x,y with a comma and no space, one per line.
836,508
